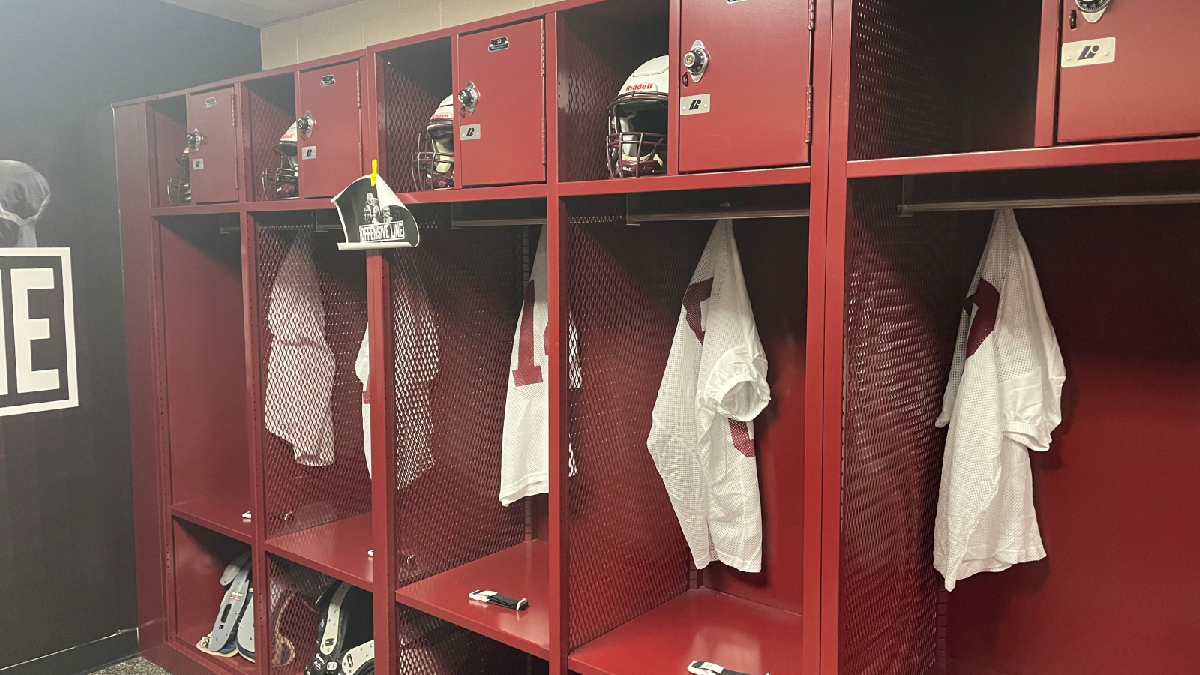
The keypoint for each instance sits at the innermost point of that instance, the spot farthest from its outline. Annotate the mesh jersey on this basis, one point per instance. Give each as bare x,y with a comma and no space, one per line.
1002,398
417,364
362,369
702,437
525,449
300,368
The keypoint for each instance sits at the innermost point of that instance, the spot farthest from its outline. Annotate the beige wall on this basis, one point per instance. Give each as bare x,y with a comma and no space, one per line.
370,22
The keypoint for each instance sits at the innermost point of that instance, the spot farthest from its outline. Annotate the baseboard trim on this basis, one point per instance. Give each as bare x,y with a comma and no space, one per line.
79,659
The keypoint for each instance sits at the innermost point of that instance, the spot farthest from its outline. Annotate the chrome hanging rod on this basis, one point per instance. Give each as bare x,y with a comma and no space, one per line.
1050,203
732,214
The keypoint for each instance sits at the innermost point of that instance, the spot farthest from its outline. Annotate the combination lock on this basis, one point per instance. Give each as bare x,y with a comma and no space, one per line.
469,98
696,60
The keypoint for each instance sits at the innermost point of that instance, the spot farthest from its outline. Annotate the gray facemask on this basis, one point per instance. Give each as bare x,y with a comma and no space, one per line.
24,196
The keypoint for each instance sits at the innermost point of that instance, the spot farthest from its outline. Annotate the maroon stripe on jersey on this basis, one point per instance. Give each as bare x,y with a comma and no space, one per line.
692,297
741,437
987,299
527,372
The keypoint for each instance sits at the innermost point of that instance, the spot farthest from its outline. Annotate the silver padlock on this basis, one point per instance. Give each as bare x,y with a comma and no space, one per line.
469,98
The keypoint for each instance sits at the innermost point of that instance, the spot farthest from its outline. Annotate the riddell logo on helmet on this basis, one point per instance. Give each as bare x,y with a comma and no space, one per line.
640,87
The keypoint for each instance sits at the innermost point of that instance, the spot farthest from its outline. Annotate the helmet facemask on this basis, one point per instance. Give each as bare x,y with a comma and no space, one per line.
283,181
637,135
433,164
179,188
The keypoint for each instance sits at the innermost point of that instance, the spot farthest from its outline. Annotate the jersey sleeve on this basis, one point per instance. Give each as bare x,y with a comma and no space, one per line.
736,385
1030,399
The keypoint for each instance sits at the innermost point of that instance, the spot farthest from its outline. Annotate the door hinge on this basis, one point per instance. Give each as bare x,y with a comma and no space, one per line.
812,15
358,83
232,110
808,114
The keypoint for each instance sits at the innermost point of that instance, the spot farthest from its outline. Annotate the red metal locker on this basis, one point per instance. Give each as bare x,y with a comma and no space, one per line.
1133,72
746,96
212,144
330,142
501,112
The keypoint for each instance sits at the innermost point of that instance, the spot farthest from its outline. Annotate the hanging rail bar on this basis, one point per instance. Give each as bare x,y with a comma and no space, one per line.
498,222
1050,203
732,214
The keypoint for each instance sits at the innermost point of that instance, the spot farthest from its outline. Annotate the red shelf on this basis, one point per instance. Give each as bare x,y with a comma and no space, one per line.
270,206
186,644
1161,150
223,515
699,625
520,572
697,181
338,549
477,194
195,210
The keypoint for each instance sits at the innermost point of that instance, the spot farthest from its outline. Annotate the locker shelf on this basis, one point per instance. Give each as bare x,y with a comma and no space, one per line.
217,514
186,643
312,204
477,194
701,624
1158,150
194,210
338,549
721,179
520,572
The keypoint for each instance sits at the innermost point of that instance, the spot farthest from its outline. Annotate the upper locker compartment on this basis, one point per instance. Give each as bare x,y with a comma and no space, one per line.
1123,73
212,146
501,112
329,134
744,61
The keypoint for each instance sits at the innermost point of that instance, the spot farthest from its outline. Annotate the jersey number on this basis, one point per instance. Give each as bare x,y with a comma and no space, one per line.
528,372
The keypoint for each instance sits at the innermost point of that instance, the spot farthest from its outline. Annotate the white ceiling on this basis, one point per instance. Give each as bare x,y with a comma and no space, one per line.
259,13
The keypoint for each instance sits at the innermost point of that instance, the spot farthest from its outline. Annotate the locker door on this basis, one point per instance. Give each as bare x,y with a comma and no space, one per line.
1133,73
502,140
212,143
330,148
750,107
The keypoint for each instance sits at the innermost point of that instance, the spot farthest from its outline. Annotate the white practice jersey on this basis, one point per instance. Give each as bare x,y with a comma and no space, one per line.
525,449
300,369
417,364
362,368
1002,399
702,437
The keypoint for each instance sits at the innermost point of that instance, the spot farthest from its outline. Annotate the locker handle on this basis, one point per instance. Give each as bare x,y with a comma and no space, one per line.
469,98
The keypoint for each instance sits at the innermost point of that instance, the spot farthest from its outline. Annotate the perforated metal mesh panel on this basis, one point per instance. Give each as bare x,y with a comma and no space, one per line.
429,646
268,122
628,554
906,280
899,103
415,80
298,495
598,48
463,291
293,617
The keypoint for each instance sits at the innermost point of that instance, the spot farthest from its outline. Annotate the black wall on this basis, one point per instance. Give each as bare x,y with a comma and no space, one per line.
66,508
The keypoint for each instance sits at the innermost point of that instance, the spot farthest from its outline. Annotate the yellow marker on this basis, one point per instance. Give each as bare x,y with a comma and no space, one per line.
374,170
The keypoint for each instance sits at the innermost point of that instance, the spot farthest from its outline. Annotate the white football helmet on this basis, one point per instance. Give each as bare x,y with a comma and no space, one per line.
433,164
637,122
24,196
283,181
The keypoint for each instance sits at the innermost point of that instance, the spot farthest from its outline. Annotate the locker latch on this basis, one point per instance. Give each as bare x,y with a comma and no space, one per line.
305,124
194,140
469,98
696,60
